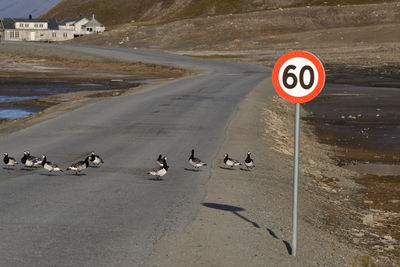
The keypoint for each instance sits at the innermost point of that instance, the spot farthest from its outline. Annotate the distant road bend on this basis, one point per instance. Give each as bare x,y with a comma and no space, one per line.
113,215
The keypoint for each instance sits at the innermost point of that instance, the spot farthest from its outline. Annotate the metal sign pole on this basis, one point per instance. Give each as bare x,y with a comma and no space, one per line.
298,77
295,176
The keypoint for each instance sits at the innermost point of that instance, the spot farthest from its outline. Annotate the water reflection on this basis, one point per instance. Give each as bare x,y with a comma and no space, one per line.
4,99
13,91
13,114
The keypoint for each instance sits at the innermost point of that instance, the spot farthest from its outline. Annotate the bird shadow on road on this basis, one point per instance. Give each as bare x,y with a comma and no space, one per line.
8,169
235,210
27,169
75,175
155,179
48,174
288,246
227,168
191,170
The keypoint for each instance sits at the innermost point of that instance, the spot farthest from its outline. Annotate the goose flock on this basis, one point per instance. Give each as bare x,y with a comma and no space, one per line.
31,162
162,169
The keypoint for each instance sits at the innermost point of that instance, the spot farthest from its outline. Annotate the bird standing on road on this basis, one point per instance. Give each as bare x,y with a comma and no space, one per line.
51,167
79,166
231,162
9,161
160,171
30,161
196,162
95,159
249,161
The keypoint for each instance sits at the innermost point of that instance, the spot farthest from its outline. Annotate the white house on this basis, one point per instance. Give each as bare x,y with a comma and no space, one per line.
47,30
75,25
32,30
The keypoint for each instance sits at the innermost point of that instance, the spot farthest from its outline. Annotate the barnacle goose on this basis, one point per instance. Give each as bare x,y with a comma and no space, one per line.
249,161
79,166
47,165
9,161
30,161
231,162
196,162
160,171
95,159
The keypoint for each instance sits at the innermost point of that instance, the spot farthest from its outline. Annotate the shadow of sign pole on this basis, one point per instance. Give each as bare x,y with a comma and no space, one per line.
230,208
297,77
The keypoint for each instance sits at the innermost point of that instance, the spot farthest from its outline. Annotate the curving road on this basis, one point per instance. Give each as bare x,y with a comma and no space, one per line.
113,215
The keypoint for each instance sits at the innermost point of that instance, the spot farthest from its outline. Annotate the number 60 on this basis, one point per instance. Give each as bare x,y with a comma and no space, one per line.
287,75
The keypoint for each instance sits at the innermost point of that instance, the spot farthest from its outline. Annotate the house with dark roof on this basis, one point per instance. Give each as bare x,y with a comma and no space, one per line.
47,30
20,29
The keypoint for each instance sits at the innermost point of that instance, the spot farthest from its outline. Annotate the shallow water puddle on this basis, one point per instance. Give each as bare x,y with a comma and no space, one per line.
13,114
4,99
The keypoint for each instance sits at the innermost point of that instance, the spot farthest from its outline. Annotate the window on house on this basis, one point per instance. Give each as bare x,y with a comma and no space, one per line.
41,25
54,34
14,35
27,25
21,25
65,35
35,25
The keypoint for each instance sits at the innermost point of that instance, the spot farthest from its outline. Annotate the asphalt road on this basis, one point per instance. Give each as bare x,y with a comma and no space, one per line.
113,215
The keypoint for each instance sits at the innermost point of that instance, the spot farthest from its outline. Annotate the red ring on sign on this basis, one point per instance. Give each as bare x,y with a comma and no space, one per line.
318,66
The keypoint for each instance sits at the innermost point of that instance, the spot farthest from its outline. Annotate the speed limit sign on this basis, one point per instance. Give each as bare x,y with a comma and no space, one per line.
298,76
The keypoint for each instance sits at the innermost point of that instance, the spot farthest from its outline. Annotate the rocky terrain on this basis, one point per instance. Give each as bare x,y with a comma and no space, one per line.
163,11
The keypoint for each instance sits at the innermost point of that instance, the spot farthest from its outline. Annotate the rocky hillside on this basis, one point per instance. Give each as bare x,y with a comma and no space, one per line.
113,12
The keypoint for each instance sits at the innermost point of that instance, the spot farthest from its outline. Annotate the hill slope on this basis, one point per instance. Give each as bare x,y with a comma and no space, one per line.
24,8
113,12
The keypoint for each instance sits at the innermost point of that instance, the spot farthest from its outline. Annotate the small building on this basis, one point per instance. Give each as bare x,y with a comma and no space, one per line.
75,25
94,26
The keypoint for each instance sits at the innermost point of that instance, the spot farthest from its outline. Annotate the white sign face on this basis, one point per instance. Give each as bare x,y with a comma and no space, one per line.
298,76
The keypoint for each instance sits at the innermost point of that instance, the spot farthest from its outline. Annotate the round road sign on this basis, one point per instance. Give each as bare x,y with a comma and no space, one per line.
298,76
